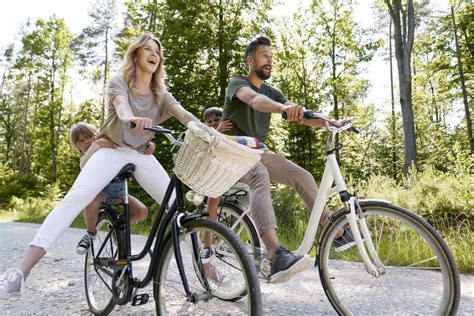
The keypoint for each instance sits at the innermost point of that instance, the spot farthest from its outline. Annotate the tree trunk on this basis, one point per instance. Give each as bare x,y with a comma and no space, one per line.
392,103
463,84
24,126
223,70
52,141
106,71
334,78
404,32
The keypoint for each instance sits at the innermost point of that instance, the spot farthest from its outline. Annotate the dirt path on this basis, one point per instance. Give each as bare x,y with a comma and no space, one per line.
56,286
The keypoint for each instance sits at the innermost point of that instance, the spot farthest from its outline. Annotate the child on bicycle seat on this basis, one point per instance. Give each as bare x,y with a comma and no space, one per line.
83,137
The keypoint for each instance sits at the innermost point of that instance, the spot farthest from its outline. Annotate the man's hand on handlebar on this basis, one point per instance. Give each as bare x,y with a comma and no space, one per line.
294,112
140,124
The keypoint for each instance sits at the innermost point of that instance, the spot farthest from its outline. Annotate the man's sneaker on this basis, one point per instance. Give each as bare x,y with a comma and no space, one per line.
11,283
212,274
287,264
84,244
344,242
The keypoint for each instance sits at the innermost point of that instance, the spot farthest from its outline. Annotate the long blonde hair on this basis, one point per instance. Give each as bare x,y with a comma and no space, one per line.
128,67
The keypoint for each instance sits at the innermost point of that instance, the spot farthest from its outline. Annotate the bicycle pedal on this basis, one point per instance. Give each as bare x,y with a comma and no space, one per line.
140,299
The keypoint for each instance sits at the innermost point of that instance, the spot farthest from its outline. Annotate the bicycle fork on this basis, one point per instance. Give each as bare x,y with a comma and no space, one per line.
356,219
176,229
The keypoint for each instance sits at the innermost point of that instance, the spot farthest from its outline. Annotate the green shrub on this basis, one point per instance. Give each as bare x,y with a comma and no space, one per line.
432,194
20,186
35,209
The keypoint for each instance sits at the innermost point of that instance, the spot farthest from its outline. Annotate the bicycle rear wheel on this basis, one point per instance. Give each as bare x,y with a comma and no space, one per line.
242,226
98,279
420,274
229,272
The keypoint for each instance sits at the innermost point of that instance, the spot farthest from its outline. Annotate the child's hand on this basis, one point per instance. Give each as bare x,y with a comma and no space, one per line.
224,126
105,143
149,148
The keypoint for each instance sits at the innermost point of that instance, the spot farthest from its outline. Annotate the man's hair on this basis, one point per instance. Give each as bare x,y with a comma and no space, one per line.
253,45
212,111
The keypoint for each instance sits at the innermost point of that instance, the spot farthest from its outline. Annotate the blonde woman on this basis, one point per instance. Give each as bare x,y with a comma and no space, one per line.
138,94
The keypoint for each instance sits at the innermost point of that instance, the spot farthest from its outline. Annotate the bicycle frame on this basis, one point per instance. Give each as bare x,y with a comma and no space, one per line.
332,175
173,217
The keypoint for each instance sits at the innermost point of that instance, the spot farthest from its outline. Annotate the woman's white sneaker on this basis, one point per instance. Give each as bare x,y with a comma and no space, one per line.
11,283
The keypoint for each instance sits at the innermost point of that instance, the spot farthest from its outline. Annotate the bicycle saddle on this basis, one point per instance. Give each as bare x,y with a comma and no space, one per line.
125,173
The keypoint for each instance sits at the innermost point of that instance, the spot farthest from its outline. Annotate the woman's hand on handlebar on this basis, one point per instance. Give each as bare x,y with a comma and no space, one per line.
140,124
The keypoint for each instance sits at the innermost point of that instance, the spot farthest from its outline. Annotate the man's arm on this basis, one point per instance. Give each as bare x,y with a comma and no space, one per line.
263,103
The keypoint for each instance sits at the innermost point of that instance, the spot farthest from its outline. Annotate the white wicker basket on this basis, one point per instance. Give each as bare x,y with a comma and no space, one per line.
209,163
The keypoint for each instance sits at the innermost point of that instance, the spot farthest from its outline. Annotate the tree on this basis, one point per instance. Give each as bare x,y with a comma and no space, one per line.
403,17
45,57
96,43
346,46
7,120
463,82
203,45
317,59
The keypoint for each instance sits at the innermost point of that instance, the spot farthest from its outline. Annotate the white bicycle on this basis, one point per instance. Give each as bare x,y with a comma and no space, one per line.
394,250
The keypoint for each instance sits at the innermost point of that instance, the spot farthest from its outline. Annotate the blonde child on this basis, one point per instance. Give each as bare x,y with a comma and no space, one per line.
83,137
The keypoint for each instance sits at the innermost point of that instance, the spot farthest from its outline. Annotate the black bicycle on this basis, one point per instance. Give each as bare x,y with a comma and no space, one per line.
189,275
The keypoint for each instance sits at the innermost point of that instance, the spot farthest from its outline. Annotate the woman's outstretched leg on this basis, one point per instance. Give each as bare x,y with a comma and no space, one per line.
99,170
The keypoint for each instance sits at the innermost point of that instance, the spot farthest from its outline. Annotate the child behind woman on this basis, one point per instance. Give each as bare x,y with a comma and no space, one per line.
83,137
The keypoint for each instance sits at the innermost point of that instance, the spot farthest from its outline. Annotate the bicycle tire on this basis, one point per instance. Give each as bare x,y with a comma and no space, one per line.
98,294
407,287
228,214
230,260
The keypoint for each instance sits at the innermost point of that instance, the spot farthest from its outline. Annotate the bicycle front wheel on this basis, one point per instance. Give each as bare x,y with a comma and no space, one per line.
98,279
228,272
420,274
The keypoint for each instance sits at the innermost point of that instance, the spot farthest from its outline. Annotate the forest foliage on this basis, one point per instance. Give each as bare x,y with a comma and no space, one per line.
320,56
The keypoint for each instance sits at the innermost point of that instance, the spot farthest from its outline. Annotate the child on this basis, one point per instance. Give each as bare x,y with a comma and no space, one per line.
213,118
83,137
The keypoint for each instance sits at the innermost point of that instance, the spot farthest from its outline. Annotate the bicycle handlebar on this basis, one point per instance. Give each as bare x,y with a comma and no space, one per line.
160,130
311,115
154,128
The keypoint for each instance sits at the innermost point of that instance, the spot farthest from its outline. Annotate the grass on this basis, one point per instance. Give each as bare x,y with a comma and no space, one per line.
442,199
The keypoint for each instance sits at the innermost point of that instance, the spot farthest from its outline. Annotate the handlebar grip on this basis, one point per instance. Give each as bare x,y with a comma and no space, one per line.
154,128
354,130
307,114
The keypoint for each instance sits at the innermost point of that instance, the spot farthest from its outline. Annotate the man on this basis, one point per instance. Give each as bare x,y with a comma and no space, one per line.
249,103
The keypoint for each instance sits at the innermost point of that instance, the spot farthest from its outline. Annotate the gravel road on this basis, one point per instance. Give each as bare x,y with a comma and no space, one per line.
56,285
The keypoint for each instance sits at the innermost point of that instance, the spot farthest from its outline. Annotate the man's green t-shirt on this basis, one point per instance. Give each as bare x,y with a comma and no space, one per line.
247,121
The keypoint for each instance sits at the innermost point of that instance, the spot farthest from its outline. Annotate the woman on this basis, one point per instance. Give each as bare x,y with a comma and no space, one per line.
137,95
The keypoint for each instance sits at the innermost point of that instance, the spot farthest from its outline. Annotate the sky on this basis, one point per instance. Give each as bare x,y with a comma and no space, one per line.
15,13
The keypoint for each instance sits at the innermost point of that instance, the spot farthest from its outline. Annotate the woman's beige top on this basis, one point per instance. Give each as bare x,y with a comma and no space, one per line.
143,106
